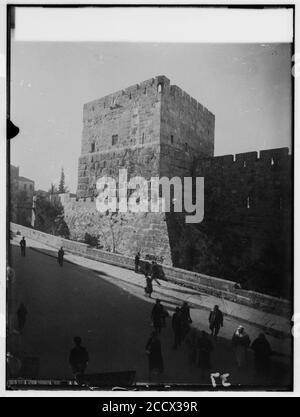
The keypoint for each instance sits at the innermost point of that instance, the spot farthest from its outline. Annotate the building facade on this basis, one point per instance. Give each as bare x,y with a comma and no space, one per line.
21,192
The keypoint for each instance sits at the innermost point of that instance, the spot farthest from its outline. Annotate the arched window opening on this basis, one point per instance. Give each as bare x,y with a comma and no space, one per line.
245,164
93,147
160,88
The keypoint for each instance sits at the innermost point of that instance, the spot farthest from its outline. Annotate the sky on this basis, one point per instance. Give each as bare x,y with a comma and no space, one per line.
246,86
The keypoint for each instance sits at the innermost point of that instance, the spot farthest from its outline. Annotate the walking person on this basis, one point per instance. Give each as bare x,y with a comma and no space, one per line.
186,319
158,316
154,270
149,287
215,321
137,262
149,279
177,327
241,343
205,347
60,256
78,358
23,246
262,354
21,315
155,359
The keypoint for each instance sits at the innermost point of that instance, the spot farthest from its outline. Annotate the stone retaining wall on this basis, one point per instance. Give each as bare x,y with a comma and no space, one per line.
207,284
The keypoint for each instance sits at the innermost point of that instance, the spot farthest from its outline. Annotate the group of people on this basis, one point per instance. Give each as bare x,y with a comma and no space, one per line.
261,347
181,321
200,344
150,271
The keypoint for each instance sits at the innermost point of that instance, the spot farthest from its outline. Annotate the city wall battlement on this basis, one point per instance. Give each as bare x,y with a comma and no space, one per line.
265,158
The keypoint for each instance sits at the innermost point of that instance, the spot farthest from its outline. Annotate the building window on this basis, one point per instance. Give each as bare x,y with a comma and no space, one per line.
159,88
93,147
115,139
143,138
172,139
186,147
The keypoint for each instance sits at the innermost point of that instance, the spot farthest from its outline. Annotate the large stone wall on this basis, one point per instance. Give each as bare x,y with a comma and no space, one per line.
126,233
246,233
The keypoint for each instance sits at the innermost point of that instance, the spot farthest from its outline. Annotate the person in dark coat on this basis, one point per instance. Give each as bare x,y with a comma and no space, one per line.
21,315
149,287
215,321
262,354
241,343
137,262
154,270
149,279
153,350
186,318
147,269
23,246
204,347
147,273
158,316
177,327
78,358
60,256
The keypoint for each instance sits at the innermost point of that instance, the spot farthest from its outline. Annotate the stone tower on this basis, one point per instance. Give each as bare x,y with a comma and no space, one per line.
152,129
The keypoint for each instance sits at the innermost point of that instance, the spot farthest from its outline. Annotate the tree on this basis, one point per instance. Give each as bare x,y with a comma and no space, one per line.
111,229
62,187
53,189
50,217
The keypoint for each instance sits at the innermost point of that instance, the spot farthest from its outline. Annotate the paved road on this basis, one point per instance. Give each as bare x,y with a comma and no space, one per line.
114,326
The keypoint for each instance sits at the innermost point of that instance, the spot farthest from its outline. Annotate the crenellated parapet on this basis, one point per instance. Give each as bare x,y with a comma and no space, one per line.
265,158
248,187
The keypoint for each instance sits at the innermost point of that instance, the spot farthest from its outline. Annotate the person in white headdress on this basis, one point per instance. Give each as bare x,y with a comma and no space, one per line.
241,343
